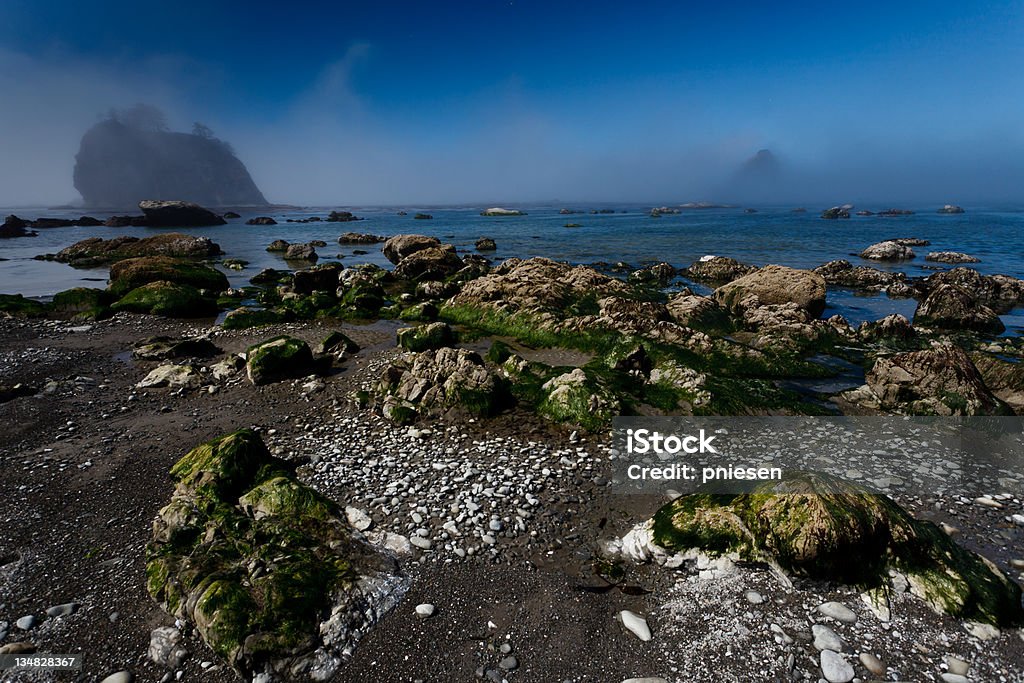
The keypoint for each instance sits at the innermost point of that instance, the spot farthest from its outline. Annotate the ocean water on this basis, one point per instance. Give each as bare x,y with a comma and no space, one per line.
772,235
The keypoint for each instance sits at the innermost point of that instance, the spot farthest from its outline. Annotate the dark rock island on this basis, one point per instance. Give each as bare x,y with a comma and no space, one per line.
131,156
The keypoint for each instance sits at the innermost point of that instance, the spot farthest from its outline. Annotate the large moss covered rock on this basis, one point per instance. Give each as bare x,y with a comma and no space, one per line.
18,306
423,337
130,273
85,303
824,528
277,359
578,398
274,579
168,299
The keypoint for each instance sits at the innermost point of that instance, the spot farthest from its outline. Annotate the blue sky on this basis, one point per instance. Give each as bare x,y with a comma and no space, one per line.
463,101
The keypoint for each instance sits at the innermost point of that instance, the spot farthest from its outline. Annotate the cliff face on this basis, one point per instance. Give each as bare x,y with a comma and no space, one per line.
118,165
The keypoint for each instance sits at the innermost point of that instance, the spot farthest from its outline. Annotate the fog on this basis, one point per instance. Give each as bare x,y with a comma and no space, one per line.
332,145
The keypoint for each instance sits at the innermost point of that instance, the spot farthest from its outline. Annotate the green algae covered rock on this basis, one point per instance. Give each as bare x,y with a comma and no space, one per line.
167,299
823,528
424,337
277,359
274,579
246,317
578,398
84,303
18,306
130,273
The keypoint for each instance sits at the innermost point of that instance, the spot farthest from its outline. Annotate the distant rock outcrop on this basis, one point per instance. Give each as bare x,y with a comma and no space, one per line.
121,162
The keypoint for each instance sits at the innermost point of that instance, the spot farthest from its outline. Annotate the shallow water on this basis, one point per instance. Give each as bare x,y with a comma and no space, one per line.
773,235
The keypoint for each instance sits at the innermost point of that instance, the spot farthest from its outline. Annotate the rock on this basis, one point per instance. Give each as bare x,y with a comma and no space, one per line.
957,666
890,328
321,278
132,273
910,241
341,217
424,611
269,276
244,318
699,312
230,214
301,252
423,217
26,623
358,518
937,381
434,383
577,398
539,287
896,212
1004,379
278,359
498,211
21,647
842,273
953,678
13,391
184,376
811,525
398,247
773,285
954,308
753,597
635,624
1001,293
717,270
130,156
950,208
826,639
359,238
431,263
646,679
165,348
659,274
166,299
165,647
888,251
424,337
951,257
509,663
836,212
835,668
226,368
176,213
278,246
125,222
872,663
337,343
838,611
485,244
261,220
119,677
265,567
95,251
15,227
62,610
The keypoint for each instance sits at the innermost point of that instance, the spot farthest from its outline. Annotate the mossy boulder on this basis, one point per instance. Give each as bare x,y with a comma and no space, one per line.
361,297
421,312
18,306
130,273
278,359
578,398
167,299
824,528
244,318
83,303
423,337
273,577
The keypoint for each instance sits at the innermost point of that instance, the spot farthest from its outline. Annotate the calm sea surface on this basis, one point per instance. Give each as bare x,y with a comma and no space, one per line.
993,234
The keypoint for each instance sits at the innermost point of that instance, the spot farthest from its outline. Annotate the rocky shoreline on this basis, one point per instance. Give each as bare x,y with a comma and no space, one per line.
474,456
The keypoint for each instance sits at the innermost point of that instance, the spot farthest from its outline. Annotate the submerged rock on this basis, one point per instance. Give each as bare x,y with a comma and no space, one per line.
359,238
811,525
175,213
889,250
954,308
498,211
937,381
950,208
275,580
277,359
774,285
261,220
485,244
836,212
